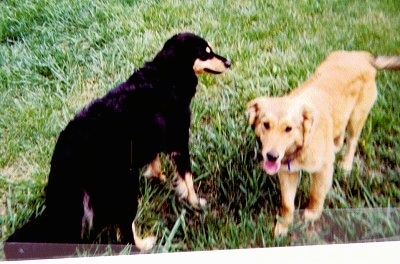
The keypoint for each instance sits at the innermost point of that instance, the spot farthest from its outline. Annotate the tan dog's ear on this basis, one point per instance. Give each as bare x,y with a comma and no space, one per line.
252,110
308,122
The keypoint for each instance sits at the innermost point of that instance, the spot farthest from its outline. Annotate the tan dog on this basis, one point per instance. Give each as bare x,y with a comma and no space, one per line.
304,129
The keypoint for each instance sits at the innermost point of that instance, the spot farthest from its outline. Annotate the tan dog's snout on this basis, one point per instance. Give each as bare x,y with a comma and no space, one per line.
272,162
272,156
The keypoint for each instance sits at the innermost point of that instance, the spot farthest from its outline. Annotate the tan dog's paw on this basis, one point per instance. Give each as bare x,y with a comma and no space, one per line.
280,229
346,166
311,215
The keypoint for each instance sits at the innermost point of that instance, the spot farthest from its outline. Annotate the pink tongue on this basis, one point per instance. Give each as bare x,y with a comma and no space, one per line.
271,167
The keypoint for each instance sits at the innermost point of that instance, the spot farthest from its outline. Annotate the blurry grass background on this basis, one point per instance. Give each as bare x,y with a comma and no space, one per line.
56,56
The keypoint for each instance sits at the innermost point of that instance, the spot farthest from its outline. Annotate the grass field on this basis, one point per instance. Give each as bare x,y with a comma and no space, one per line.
56,56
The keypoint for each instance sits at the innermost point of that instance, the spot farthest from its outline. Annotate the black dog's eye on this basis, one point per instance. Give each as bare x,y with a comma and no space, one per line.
204,54
266,125
288,129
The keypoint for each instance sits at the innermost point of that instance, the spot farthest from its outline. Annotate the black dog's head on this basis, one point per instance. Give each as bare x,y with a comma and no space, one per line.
189,50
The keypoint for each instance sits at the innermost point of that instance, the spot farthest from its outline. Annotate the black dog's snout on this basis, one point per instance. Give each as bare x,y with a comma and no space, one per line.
272,156
227,63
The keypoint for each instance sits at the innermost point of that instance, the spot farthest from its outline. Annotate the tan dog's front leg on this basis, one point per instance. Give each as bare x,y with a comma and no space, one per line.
321,183
338,142
288,184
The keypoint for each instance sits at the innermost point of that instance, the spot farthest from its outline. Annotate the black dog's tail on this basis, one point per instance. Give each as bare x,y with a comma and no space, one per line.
32,231
386,62
24,242
38,238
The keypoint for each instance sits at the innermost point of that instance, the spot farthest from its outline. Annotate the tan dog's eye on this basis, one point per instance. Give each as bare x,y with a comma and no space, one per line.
288,129
266,125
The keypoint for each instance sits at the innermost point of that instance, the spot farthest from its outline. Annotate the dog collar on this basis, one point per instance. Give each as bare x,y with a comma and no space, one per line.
290,157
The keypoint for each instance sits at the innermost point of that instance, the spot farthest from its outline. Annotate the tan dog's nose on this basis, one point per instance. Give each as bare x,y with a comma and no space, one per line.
272,156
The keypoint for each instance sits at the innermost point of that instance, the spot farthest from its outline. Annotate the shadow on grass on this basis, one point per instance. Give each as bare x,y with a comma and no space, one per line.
338,226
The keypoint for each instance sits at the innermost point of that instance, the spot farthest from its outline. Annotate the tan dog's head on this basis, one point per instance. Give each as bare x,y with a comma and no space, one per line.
282,126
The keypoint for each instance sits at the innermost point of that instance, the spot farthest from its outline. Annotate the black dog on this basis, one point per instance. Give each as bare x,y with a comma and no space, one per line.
93,181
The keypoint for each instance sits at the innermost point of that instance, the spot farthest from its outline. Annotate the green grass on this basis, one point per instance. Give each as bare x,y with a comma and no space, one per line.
56,56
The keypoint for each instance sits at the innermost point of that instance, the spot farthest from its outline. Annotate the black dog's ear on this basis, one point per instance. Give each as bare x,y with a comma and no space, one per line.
169,47
177,40
176,48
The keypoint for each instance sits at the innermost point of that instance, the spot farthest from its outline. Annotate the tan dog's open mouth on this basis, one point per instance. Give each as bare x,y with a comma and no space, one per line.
272,163
271,167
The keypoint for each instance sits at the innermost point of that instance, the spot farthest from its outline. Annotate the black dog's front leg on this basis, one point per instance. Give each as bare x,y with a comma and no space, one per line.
183,178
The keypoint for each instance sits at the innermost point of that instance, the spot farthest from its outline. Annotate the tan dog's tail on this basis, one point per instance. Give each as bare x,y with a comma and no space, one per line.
386,62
